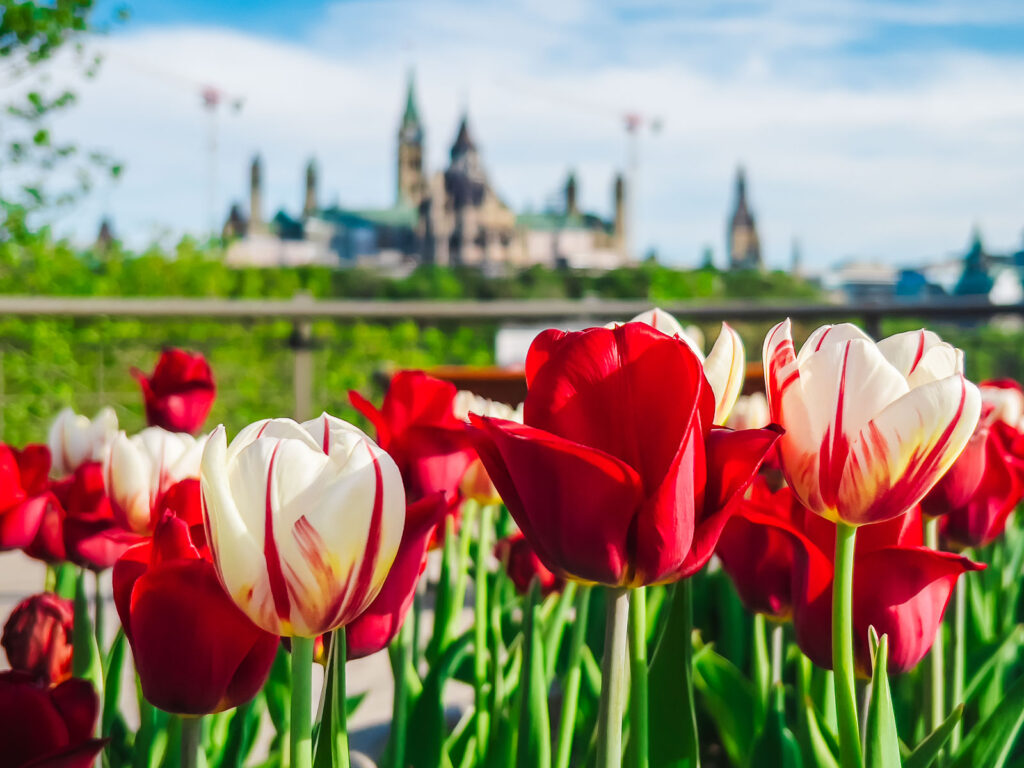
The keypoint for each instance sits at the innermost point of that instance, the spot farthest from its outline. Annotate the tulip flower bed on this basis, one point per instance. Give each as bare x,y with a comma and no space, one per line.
638,566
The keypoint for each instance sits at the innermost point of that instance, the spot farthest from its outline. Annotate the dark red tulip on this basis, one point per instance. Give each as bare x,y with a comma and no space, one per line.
523,566
758,549
37,637
80,527
180,392
378,625
899,587
45,727
417,426
194,650
617,476
977,495
24,494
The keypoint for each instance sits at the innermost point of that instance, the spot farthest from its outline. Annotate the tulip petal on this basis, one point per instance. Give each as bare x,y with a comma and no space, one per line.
758,551
631,392
902,592
830,335
921,356
903,451
725,369
980,517
575,504
733,459
78,705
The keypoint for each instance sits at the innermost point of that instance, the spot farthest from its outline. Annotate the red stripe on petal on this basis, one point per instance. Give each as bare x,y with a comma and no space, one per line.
920,352
373,536
835,448
327,436
824,336
278,583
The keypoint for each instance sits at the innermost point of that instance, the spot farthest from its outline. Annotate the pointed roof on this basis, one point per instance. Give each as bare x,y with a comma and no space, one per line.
411,116
463,140
742,217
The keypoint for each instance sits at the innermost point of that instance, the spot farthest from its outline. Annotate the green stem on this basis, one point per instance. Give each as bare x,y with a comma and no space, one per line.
480,617
97,608
762,664
959,655
301,743
842,646
400,713
339,644
778,651
571,685
937,656
684,592
144,737
613,679
191,735
638,721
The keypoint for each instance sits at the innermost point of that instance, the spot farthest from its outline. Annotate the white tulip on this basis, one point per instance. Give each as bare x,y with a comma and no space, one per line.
304,521
140,469
74,439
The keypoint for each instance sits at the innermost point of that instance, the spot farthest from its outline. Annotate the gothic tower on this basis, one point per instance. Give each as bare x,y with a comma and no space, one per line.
256,223
310,205
411,183
619,231
743,243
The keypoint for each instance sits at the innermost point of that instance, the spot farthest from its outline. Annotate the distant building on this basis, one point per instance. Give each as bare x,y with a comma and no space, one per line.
743,243
452,217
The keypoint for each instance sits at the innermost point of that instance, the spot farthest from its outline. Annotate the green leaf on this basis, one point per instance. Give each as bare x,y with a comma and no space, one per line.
926,752
777,747
85,655
668,711
881,744
534,747
427,723
989,743
732,701
112,683
1005,651
242,728
822,752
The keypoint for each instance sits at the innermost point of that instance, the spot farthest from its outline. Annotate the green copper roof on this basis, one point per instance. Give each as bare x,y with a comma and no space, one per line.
396,216
550,221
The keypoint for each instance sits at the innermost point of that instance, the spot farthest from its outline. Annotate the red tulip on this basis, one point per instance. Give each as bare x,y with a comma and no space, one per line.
758,549
24,494
89,535
194,650
899,587
617,476
980,491
378,625
523,566
180,392
46,727
418,427
37,638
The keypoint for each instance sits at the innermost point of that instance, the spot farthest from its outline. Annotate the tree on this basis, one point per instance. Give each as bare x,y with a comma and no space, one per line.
38,170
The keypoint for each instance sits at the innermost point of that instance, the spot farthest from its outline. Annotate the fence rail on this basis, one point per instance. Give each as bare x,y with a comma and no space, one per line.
305,308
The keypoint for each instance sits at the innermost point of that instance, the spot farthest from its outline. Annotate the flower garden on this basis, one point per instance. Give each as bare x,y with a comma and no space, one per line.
638,565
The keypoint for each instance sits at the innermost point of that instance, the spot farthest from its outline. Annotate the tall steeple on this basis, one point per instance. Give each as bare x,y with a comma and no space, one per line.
310,205
256,223
743,242
411,183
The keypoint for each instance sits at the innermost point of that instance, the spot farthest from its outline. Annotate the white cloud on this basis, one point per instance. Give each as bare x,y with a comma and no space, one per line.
897,165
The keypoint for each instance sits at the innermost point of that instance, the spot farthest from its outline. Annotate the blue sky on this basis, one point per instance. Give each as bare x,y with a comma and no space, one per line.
877,130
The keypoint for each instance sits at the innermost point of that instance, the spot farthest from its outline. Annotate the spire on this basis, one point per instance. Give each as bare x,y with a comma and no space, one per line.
411,116
741,186
256,223
463,141
309,205
571,206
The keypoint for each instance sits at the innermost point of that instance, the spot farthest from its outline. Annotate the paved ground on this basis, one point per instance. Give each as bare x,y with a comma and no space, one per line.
21,576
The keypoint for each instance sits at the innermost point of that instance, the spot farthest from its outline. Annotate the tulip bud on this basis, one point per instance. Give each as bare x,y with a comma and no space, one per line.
180,392
304,521
870,428
140,469
37,637
74,439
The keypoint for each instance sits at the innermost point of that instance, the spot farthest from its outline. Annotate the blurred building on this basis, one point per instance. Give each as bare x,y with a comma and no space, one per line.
743,242
451,217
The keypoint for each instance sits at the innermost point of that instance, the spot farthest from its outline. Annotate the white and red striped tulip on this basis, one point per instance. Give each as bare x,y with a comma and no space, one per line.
724,366
870,427
140,469
75,439
304,521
